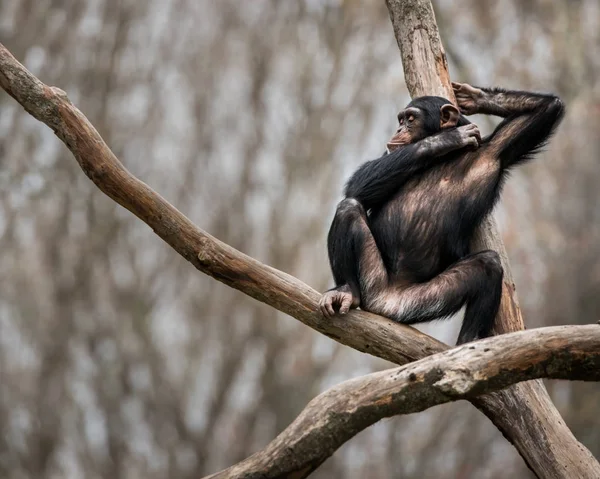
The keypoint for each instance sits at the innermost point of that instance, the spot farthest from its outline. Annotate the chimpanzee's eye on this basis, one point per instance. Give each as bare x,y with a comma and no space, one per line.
401,121
411,118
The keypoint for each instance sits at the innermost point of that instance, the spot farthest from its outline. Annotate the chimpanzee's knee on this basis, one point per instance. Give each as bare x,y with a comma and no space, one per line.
491,266
349,208
345,242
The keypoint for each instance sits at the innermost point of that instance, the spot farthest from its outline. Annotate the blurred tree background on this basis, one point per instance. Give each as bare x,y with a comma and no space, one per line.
118,359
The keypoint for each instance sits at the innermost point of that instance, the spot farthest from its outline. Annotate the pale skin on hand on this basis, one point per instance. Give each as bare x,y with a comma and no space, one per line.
467,98
336,299
470,135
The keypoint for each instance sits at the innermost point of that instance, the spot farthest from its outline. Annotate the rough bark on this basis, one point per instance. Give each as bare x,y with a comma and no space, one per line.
524,413
340,413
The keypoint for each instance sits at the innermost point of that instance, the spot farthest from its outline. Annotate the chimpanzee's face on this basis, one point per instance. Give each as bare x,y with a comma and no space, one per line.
410,128
423,117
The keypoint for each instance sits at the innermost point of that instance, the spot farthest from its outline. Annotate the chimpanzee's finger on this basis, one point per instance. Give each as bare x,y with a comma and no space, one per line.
330,310
345,306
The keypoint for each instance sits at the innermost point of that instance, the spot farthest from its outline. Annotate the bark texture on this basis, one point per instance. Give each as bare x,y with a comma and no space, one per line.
332,418
524,413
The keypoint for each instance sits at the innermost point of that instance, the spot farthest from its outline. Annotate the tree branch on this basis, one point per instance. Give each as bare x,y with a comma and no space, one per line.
360,330
335,416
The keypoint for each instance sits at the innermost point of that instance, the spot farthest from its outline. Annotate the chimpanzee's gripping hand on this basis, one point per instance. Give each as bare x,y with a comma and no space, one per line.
468,98
468,136
451,139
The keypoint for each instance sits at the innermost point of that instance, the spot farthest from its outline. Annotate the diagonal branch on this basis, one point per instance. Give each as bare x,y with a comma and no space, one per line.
360,330
335,416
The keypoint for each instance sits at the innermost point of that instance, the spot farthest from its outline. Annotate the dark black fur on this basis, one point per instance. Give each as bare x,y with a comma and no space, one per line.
400,240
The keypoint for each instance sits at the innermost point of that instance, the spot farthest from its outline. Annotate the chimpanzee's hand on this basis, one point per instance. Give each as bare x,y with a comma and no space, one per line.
468,98
468,136
450,139
340,299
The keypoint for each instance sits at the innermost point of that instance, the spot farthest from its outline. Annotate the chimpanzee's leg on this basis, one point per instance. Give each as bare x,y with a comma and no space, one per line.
475,280
354,257
483,307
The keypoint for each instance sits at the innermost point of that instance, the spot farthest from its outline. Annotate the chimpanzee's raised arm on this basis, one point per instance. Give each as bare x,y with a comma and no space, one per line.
530,119
377,180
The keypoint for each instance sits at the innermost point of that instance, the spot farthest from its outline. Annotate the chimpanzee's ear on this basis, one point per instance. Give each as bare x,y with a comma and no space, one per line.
449,116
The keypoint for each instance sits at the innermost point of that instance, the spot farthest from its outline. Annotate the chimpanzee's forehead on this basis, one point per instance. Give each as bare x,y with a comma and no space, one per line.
428,102
410,110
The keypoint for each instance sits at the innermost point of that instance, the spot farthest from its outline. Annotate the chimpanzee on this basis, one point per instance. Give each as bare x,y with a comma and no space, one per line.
399,242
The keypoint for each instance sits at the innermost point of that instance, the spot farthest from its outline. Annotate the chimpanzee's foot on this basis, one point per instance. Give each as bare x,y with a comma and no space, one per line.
340,299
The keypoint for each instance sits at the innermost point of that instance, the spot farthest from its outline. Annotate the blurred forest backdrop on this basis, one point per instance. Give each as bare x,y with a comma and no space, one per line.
118,359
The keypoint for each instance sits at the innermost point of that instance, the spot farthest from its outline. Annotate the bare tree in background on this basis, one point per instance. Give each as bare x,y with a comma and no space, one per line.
118,360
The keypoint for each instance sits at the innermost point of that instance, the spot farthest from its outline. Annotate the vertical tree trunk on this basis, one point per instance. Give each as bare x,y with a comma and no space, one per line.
529,419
